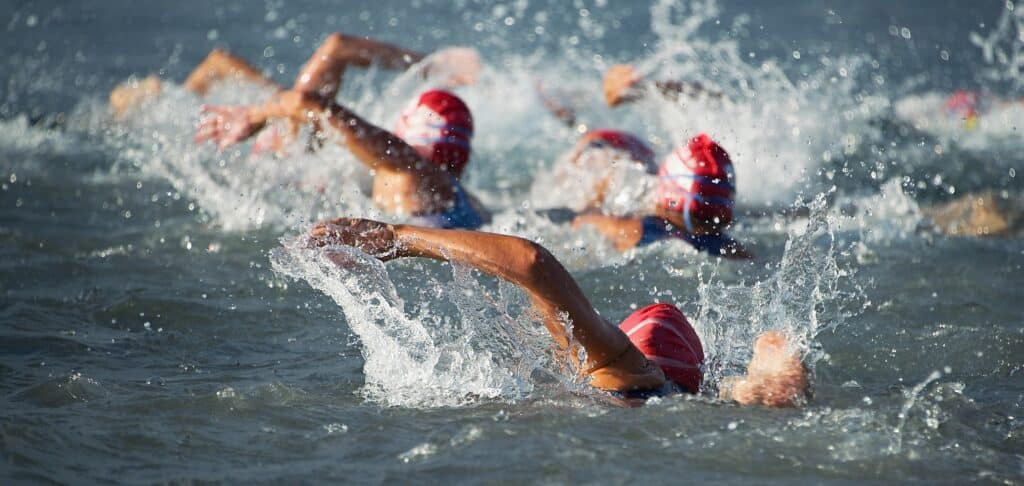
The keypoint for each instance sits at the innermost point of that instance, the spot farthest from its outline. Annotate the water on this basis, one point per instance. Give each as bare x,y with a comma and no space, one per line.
159,324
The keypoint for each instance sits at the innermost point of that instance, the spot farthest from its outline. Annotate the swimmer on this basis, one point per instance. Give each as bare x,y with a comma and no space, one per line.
963,105
416,168
322,74
694,200
971,106
592,163
652,352
983,214
623,84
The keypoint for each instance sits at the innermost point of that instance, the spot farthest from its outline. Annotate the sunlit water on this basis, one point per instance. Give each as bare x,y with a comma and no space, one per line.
160,323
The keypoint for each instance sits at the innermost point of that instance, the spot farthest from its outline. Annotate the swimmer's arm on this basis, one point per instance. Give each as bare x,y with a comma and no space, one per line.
556,107
322,73
775,376
372,145
622,84
552,290
625,233
220,65
376,147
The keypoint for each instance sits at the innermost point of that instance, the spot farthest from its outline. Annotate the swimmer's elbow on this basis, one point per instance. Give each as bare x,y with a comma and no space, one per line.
334,41
535,263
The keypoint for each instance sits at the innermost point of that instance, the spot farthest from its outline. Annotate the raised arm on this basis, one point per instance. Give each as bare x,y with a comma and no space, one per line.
322,73
622,84
557,107
373,146
612,360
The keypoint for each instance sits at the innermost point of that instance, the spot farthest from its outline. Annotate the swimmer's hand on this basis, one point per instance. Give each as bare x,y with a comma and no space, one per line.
133,93
620,82
775,376
371,237
275,138
453,66
227,125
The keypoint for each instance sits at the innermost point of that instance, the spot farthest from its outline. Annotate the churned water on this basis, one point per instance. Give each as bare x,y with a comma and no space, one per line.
159,321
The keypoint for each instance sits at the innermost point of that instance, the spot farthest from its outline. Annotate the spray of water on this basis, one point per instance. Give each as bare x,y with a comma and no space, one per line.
802,298
1003,47
449,342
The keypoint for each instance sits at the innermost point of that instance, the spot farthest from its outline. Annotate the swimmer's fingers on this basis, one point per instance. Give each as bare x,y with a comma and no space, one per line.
371,237
225,125
211,124
619,82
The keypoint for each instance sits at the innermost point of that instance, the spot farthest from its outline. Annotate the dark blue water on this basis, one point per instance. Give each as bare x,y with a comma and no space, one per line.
154,327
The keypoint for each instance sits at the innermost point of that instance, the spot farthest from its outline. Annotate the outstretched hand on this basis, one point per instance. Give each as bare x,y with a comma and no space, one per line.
620,82
225,125
454,66
371,237
775,376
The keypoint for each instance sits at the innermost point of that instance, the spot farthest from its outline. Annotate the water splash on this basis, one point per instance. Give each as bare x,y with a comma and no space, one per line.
772,126
626,188
446,343
1002,48
889,215
802,298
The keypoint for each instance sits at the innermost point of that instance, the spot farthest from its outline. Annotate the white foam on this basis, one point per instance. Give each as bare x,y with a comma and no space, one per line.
455,342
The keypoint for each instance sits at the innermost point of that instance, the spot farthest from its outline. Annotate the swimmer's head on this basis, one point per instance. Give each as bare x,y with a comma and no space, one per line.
697,183
963,105
630,146
664,336
439,126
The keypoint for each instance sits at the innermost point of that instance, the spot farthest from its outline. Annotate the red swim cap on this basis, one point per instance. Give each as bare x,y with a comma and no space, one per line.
439,126
625,142
962,104
698,180
662,333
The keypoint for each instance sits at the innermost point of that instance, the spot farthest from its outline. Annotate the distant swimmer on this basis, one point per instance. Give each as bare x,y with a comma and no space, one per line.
970,107
416,168
983,214
623,84
693,203
963,105
653,352
592,163
450,67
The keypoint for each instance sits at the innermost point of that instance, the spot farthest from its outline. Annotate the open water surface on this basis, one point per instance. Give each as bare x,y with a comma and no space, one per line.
157,322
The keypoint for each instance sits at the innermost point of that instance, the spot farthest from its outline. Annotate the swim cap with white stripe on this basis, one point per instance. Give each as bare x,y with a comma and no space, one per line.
439,126
664,336
697,179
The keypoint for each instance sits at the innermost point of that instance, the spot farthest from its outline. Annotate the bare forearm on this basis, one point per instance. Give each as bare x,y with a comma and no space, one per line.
674,89
507,257
323,72
552,289
374,146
